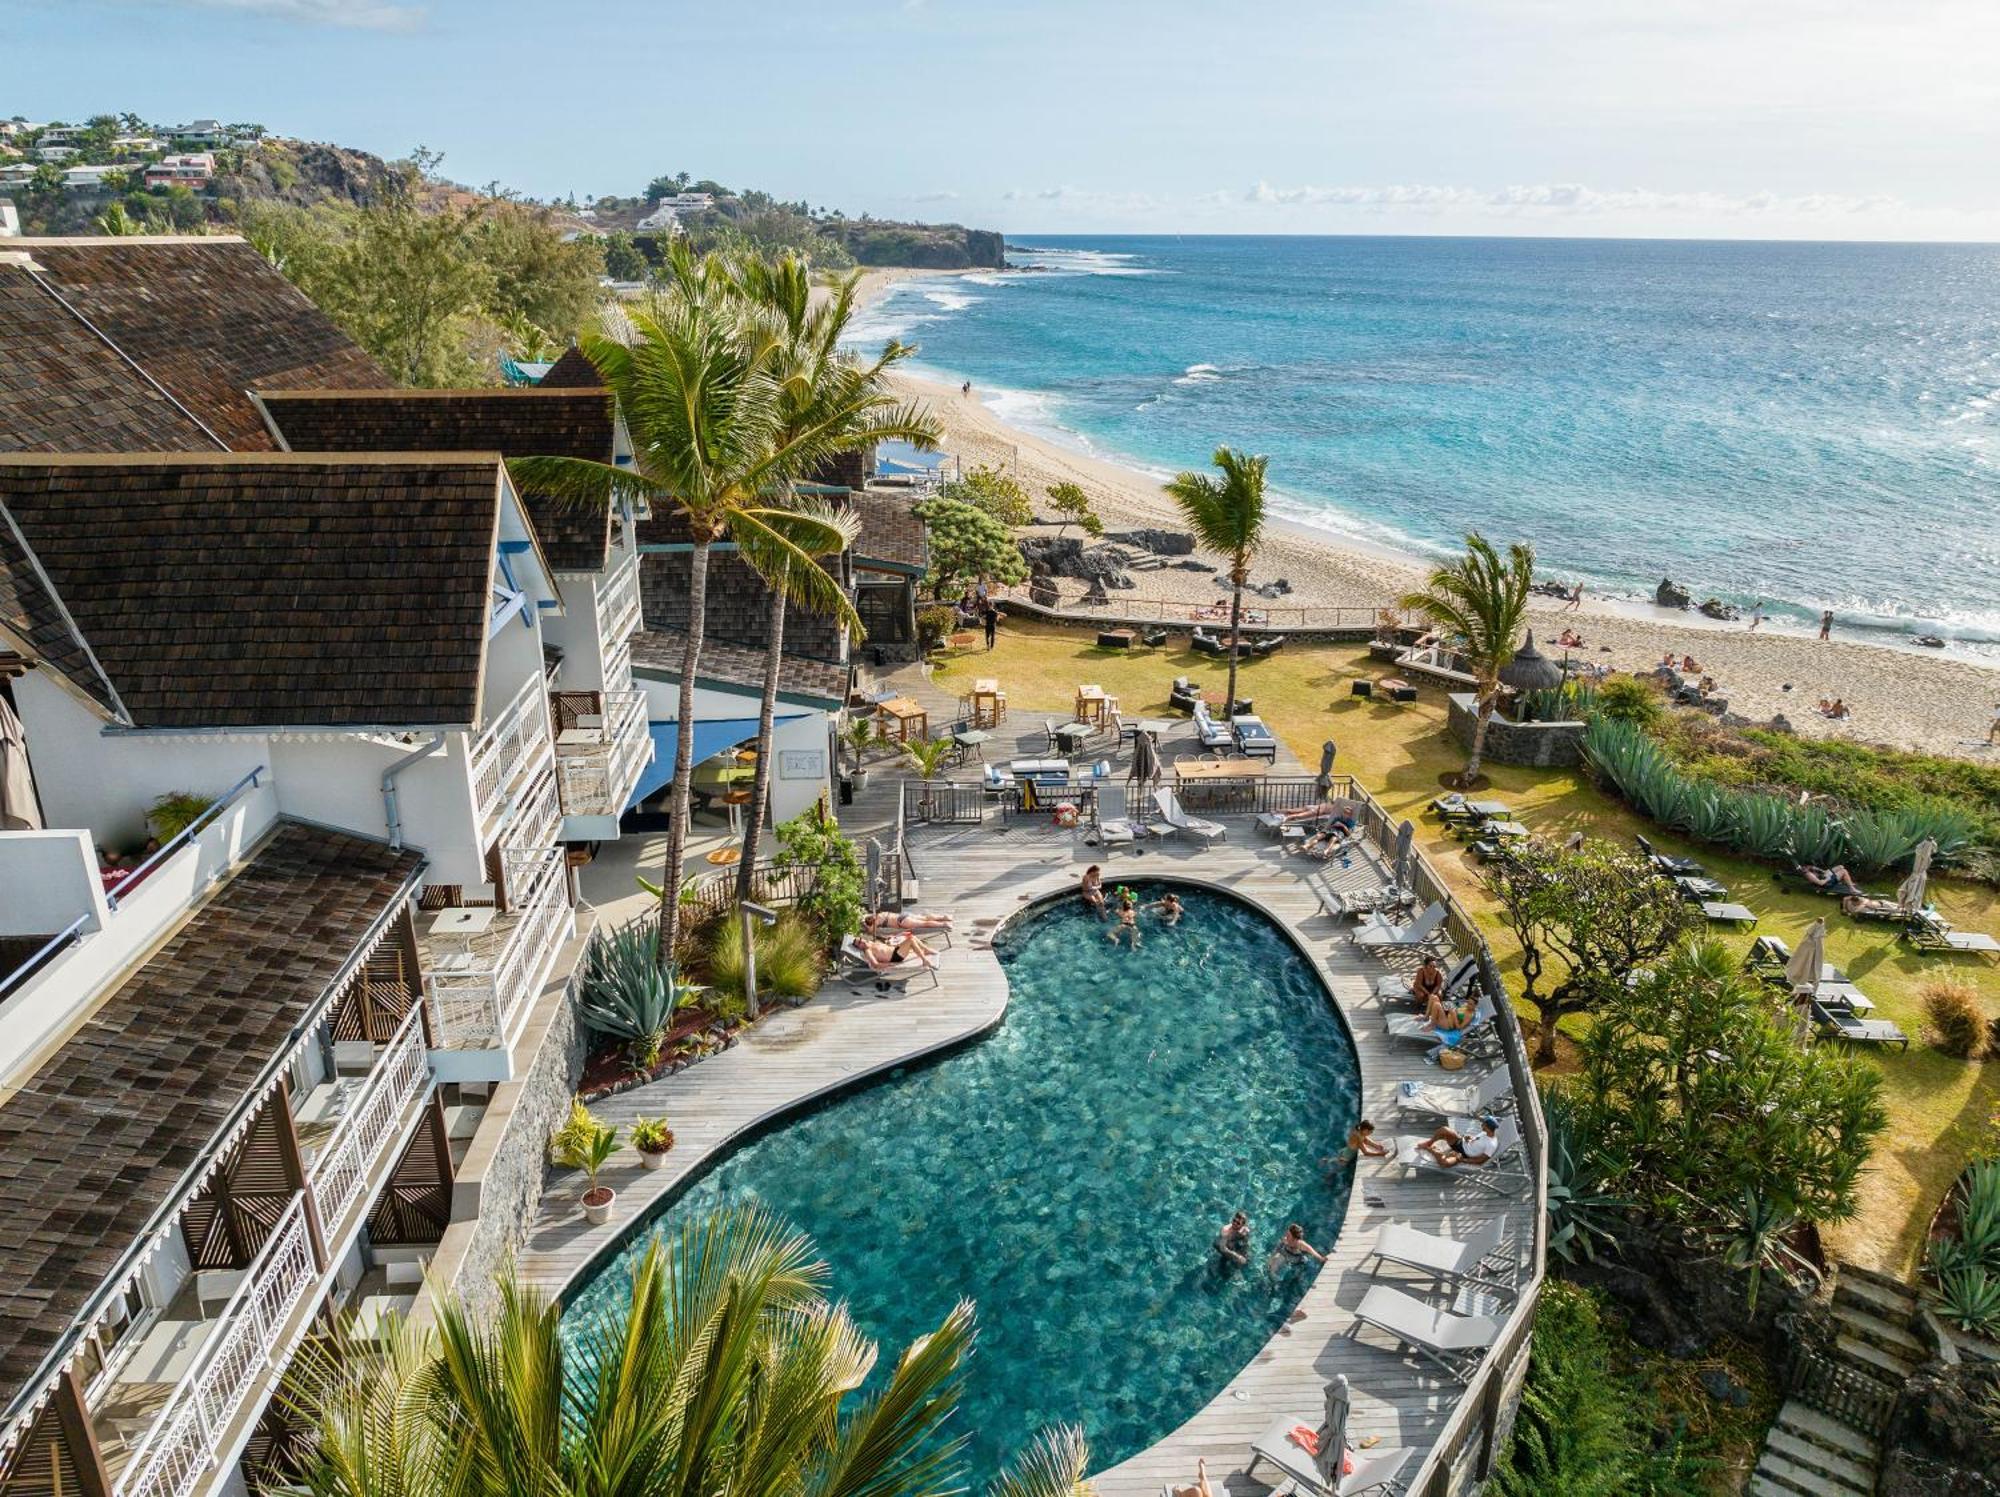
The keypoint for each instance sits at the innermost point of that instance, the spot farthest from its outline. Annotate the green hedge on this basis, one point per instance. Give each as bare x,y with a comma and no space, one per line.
1762,824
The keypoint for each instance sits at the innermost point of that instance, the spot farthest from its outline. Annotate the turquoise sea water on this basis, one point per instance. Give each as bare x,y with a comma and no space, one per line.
1069,1171
1809,425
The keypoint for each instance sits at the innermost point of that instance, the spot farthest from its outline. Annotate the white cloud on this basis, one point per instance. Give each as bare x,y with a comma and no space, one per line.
356,15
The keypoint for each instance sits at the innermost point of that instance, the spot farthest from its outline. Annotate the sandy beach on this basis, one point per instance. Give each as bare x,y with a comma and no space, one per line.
1898,697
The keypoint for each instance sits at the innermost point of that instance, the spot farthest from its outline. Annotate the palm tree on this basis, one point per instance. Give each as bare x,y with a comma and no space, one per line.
833,404
724,1369
695,374
1484,601
1227,515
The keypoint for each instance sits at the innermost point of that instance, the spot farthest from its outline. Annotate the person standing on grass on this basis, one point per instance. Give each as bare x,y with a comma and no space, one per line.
1826,624
990,617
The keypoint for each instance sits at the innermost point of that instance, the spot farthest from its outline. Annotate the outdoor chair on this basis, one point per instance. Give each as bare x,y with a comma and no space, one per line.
1178,820
855,967
1481,1258
1501,1173
1183,697
1839,1021
1382,934
1213,735
1204,643
1453,1343
1394,987
1433,1099
1352,902
1932,932
1374,1470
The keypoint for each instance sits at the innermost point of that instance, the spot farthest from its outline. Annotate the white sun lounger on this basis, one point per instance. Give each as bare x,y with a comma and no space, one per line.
1435,1100
857,967
1394,987
1454,1343
1496,1176
1385,935
1373,1471
1412,1027
1178,820
1479,1258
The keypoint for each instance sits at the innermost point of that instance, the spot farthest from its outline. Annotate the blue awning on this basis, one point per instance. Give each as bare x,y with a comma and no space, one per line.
710,739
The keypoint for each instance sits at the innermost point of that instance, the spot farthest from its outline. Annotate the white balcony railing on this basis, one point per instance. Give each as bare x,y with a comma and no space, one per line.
537,819
507,755
618,608
247,1350
595,779
474,1006
345,1167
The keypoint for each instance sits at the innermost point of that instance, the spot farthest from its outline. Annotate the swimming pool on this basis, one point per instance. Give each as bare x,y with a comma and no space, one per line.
1069,1171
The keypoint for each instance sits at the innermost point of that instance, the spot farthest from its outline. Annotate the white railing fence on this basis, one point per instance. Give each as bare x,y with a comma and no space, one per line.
538,813
596,780
618,610
510,748
474,1009
187,1439
341,1174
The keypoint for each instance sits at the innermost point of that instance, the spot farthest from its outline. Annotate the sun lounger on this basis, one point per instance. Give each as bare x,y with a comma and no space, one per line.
1453,1343
1455,807
1394,987
856,966
1932,932
1178,820
1409,1026
1482,1257
1374,1470
1868,907
1672,867
1499,1175
1838,1021
1724,913
1436,1100
1698,888
1344,906
1383,934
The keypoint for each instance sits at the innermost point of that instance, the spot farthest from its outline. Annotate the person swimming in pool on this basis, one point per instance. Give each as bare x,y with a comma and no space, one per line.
1293,1249
1168,908
1232,1243
1127,924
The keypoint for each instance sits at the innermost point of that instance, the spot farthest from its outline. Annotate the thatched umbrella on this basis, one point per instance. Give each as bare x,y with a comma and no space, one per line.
1530,670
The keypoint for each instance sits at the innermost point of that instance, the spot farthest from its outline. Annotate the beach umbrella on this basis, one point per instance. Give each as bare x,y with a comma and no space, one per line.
1406,836
1145,759
1530,669
19,810
1333,1433
874,885
1326,753
1807,962
1910,895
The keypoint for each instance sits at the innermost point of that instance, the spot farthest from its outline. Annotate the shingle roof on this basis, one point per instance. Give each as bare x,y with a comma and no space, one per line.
890,534
265,590
573,371
530,422
100,1138
732,665
64,389
34,621
204,319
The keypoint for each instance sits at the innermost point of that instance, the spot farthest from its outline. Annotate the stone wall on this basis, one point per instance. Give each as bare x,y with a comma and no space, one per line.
500,1183
1555,745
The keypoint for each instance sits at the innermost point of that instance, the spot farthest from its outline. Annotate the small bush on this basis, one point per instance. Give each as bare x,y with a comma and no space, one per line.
1957,1026
935,625
1627,699
652,1135
174,812
789,961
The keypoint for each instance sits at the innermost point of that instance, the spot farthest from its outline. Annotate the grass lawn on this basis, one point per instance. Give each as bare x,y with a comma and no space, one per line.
1941,1109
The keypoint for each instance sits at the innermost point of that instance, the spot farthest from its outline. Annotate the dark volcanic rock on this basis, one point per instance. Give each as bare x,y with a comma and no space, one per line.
1669,596
1159,542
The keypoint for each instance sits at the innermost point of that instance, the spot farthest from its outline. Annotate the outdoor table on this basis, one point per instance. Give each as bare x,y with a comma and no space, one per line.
989,703
906,713
1196,770
1041,771
573,740
1090,703
971,744
1070,736
722,857
1114,639
1154,725
460,924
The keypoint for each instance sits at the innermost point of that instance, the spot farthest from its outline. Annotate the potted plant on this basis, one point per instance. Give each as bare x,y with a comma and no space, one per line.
652,1138
583,1143
860,736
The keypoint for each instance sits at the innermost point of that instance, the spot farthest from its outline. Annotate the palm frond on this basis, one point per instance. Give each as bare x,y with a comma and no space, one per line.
1053,1466
784,547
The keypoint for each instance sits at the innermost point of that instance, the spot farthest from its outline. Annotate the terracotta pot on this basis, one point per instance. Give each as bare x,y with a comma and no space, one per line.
597,1205
652,1161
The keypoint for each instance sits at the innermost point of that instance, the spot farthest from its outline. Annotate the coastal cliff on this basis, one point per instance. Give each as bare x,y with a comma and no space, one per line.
919,246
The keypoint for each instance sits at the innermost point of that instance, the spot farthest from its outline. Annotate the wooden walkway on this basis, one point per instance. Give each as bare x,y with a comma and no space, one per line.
984,874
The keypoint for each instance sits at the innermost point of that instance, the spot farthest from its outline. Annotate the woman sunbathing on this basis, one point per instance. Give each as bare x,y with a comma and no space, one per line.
894,920
1835,880
886,956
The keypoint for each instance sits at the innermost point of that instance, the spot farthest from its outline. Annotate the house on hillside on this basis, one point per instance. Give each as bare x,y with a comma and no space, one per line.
85,178
195,170
10,219
56,153
202,134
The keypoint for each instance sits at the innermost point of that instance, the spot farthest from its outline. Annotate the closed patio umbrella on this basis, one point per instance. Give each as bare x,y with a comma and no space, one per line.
1803,970
1145,759
874,884
19,809
1326,753
1333,1433
1910,895
1406,836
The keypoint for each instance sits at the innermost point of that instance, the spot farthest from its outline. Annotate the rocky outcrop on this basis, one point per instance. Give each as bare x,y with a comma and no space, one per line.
1103,566
1715,608
1669,596
1159,542
1943,1441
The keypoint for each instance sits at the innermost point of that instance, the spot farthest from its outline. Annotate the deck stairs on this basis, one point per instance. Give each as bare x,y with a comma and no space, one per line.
1826,1440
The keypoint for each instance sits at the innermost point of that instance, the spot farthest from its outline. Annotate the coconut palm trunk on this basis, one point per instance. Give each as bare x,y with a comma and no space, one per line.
767,715
1227,515
1238,575
683,787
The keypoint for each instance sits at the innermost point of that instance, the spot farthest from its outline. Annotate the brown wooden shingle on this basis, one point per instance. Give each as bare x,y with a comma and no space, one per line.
820,682
101,1136
271,590
515,423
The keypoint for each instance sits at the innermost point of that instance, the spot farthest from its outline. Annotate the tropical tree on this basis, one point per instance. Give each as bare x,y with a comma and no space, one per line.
1075,508
831,404
1227,515
1484,601
723,1369
966,543
695,371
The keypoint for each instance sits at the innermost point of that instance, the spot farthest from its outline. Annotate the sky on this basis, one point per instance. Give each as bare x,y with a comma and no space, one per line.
1822,119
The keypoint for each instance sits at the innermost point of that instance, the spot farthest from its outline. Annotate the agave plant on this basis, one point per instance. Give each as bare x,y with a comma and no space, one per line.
1581,1212
1978,1195
623,992
1756,1231
1880,839
1969,1297
1951,827
1818,837
1708,813
1761,824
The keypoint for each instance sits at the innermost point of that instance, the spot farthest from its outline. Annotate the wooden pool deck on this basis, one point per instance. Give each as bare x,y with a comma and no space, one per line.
984,874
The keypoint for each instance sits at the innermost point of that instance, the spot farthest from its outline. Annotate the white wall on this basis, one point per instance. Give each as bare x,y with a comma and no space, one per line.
48,880
338,782
512,656
788,797
574,632
106,782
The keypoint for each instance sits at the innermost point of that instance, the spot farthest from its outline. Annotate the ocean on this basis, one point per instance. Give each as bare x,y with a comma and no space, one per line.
1803,425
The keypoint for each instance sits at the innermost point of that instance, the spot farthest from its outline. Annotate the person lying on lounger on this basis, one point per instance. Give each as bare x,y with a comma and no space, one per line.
1329,839
1452,1149
1835,880
886,956
894,920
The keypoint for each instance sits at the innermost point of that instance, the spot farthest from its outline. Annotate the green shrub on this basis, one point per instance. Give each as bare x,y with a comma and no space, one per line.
813,840
174,812
934,626
1978,1196
1582,1214
1957,1025
623,993
1626,699
790,960
1969,1297
652,1135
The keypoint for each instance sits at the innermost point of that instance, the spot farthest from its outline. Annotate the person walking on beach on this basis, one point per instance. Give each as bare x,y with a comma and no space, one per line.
1993,731
966,389
1756,615
990,617
1826,624
1575,599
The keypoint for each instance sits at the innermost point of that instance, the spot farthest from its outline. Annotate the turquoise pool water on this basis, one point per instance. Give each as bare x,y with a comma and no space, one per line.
1069,1171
